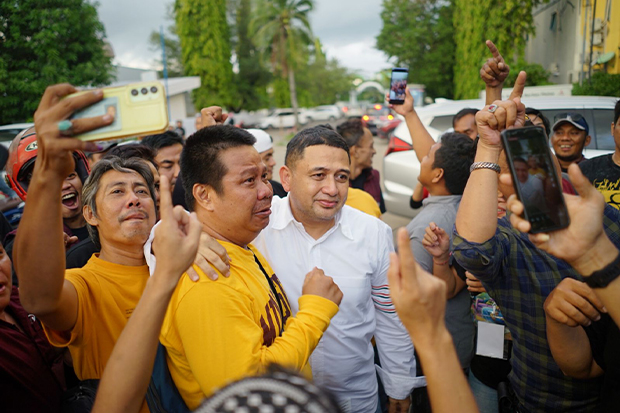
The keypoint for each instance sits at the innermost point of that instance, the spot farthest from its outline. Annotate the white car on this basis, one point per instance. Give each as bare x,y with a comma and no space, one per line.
8,132
401,166
324,113
282,118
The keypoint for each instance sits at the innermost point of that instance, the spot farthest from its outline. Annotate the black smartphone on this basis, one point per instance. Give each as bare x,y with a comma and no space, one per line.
398,84
536,179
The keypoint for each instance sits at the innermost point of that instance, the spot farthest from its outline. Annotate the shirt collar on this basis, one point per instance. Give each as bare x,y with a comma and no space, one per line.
285,217
442,199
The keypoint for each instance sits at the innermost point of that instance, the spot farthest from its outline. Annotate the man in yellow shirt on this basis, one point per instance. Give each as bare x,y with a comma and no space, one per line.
83,309
219,331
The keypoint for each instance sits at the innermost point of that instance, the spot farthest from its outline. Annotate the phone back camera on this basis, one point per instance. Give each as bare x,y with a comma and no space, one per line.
144,91
153,89
134,92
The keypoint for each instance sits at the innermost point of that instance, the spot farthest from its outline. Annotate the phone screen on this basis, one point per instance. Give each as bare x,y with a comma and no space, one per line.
398,84
536,180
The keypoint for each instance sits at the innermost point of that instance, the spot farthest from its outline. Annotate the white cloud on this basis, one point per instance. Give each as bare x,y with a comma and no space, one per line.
359,56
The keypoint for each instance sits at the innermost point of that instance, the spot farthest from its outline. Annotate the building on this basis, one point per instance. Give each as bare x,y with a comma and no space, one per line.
576,37
178,90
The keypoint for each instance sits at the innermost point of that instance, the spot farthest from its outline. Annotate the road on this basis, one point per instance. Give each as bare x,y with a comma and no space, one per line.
281,137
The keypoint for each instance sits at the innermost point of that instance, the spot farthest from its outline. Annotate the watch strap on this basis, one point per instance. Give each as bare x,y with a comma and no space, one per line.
484,165
602,277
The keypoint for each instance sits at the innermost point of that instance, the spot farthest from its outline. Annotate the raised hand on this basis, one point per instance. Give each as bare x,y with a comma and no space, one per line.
55,147
176,238
317,283
407,106
436,241
419,297
495,70
210,116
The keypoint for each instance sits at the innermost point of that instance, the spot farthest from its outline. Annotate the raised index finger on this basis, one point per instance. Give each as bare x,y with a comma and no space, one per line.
408,269
493,49
165,198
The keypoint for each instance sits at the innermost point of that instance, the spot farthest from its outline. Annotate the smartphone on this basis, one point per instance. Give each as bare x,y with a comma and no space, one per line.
138,108
536,179
398,84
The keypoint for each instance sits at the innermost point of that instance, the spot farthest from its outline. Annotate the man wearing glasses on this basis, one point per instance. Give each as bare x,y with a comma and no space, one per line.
570,136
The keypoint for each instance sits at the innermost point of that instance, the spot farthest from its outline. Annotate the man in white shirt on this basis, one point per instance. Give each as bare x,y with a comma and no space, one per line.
312,227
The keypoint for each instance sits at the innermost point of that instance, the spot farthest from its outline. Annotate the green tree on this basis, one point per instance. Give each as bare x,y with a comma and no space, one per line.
43,42
252,78
536,74
506,22
205,43
174,57
419,34
281,28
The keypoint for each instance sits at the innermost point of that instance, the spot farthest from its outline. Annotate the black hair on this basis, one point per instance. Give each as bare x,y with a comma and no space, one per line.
162,140
462,113
352,131
519,159
455,156
133,150
200,159
617,112
317,135
538,114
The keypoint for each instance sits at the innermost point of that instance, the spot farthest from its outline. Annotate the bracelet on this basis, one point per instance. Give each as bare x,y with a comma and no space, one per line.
485,165
443,262
602,277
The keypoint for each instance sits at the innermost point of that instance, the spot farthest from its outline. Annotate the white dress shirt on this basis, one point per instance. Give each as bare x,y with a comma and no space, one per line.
355,253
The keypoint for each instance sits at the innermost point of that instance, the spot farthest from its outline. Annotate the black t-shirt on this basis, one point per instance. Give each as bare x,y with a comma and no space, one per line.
81,233
604,337
278,189
79,254
604,174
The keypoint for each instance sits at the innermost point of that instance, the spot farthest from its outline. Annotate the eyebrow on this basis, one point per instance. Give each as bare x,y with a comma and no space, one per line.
322,169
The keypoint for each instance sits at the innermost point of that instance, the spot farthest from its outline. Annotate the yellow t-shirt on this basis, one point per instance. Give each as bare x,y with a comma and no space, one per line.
107,295
363,201
216,332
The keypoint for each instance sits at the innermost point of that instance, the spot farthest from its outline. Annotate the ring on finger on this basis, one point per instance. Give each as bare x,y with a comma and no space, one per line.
65,127
492,108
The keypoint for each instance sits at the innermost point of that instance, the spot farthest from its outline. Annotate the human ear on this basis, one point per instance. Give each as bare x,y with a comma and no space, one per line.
203,196
285,178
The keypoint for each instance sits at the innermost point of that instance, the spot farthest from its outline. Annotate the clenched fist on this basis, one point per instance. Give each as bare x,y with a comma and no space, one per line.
317,283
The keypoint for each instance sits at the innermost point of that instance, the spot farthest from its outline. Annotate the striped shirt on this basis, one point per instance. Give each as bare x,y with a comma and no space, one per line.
520,277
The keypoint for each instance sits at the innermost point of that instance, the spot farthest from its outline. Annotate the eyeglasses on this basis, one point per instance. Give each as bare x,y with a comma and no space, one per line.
574,117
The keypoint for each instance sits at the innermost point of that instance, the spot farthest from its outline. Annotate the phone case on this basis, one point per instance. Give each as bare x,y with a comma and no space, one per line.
509,155
138,108
401,90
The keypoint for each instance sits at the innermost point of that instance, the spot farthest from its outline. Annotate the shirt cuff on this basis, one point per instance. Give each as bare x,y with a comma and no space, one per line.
319,307
397,386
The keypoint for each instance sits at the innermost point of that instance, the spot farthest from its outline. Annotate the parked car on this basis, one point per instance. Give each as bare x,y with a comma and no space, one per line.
353,111
387,130
282,118
376,116
401,166
8,132
324,113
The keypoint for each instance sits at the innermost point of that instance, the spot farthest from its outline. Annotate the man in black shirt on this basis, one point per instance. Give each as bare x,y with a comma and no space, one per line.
604,171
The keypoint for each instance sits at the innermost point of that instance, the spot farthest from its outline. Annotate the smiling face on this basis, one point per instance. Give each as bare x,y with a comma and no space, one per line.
521,170
568,143
242,209
125,210
71,194
427,171
317,184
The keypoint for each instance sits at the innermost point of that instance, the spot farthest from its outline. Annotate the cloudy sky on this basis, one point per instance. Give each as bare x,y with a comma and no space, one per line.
347,29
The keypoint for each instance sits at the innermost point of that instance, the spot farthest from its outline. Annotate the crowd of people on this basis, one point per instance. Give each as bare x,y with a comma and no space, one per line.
289,295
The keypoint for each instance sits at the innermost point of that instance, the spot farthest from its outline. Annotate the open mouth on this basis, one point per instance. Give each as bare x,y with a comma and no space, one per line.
3,286
70,200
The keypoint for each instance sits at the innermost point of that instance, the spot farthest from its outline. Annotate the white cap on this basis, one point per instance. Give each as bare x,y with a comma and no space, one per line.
264,142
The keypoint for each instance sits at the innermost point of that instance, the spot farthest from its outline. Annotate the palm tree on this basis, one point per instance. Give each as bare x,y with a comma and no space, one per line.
281,27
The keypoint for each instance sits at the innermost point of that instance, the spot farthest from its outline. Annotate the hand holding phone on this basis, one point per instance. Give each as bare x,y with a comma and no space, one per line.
398,85
535,178
138,109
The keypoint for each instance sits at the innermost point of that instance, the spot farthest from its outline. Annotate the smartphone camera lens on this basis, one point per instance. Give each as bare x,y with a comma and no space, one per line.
144,91
134,92
153,89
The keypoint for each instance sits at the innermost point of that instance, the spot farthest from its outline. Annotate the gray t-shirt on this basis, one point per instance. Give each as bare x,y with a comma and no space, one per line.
442,211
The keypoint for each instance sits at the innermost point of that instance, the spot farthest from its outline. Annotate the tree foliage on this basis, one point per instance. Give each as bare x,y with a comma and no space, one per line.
174,58
537,75
506,22
281,29
205,43
43,42
419,34
252,78
601,84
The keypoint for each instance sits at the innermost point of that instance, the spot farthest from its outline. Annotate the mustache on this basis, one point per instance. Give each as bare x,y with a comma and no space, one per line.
134,212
